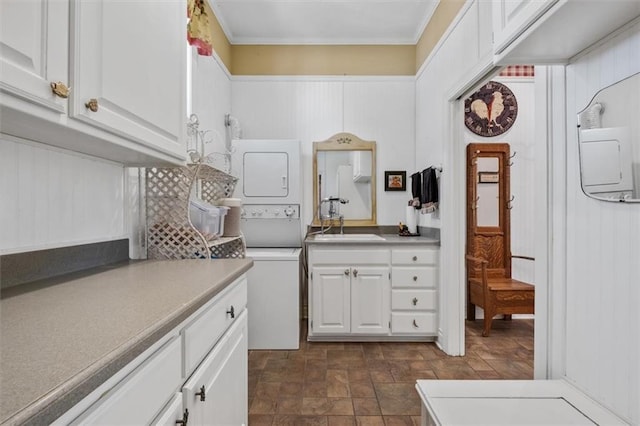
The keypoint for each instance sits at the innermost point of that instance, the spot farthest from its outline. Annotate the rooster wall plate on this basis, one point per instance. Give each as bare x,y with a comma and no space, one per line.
491,110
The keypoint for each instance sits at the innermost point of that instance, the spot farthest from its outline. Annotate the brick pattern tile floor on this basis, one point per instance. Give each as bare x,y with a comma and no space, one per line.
335,384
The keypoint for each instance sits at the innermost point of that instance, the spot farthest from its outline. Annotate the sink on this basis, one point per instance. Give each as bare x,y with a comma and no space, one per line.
348,237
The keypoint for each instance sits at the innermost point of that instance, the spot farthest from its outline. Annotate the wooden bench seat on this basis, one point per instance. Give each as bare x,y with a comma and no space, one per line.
495,295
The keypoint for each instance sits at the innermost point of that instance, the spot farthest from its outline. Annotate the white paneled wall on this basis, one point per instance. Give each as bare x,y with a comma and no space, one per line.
603,253
451,64
52,198
313,109
211,100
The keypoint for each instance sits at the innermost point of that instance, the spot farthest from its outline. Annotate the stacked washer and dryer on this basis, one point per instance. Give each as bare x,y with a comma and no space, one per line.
269,186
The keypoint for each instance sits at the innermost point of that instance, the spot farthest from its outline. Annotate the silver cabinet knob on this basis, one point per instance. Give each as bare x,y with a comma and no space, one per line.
415,278
415,301
347,272
415,258
355,272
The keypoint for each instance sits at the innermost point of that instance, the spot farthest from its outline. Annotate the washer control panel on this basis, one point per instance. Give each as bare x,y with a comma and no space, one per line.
271,211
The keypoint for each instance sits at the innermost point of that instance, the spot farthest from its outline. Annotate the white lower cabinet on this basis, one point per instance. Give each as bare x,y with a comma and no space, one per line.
351,299
173,414
370,300
331,300
217,392
372,292
197,374
139,397
414,296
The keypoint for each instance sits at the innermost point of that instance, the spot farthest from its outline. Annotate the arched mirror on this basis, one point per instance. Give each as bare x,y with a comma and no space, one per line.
609,137
344,170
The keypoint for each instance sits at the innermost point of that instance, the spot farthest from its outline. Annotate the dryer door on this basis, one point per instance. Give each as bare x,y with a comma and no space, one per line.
265,174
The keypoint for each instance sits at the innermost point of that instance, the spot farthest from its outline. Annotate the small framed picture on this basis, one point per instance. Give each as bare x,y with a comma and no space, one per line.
395,181
488,177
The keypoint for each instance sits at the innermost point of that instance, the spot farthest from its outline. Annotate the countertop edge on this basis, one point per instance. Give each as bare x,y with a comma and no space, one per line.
388,240
49,407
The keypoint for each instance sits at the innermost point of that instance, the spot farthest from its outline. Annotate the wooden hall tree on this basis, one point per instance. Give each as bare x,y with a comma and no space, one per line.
489,282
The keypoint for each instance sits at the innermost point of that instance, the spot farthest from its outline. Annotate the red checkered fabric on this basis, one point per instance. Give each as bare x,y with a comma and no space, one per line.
518,71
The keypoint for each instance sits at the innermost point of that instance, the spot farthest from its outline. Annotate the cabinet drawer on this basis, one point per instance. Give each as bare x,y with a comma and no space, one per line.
355,256
425,276
138,398
414,323
413,299
414,256
202,334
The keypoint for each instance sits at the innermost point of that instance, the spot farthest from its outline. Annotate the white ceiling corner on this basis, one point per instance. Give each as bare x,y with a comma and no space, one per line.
323,21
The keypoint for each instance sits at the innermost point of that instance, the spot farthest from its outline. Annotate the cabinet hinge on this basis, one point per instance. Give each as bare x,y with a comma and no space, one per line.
312,324
311,276
389,325
389,275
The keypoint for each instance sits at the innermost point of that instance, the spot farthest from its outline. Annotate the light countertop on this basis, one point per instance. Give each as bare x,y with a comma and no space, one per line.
62,338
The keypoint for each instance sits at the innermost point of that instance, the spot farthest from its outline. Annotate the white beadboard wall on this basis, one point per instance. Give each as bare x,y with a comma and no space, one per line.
603,253
452,63
211,100
53,198
315,108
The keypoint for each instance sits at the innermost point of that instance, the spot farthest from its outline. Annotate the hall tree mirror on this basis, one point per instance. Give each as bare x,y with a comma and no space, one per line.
344,166
609,138
488,203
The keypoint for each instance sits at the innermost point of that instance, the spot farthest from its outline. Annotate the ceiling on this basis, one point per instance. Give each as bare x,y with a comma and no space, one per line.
323,21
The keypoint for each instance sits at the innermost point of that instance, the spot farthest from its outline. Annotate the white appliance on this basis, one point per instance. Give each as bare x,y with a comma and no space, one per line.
268,174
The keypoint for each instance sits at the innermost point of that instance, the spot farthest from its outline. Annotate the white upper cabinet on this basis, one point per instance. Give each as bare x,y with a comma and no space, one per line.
553,31
34,52
512,17
129,57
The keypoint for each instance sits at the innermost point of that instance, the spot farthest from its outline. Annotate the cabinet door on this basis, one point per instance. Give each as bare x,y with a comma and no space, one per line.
370,294
223,377
130,56
512,17
33,51
173,413
331,300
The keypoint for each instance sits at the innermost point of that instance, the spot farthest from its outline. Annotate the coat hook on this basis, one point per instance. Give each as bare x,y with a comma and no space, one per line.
509,203
475,203
512,156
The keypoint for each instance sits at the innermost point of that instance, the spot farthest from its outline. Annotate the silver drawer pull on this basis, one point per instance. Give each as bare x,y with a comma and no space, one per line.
231,312
415,302
415,324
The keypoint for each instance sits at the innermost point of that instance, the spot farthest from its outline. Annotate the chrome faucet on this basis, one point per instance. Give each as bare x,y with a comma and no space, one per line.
332,213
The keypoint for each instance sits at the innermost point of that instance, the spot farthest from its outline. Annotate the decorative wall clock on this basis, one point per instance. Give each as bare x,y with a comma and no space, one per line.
491,110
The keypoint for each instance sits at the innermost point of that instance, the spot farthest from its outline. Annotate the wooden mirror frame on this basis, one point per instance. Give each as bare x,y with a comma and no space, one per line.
345,142
492,243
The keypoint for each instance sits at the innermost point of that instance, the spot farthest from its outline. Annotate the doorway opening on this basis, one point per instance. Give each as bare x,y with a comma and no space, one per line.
500,203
